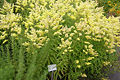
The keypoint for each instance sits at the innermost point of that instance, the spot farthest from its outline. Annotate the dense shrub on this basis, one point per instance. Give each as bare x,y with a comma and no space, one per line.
73,34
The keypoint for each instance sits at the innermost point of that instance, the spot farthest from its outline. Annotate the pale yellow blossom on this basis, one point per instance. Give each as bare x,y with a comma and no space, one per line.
106,63
77,61
83,75
87,63
78,39
71,34
90,58
78,66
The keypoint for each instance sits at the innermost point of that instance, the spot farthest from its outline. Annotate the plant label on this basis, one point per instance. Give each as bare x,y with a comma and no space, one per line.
52,67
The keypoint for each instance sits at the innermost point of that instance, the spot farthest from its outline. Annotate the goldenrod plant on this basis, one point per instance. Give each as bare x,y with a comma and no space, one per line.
72,34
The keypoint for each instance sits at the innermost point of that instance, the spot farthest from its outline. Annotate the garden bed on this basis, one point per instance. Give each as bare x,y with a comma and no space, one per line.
73,35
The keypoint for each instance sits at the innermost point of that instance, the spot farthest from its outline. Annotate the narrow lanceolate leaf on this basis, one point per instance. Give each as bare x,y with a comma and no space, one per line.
21,62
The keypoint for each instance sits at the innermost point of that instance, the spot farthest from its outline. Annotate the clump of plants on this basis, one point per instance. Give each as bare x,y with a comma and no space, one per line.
111,7
72,34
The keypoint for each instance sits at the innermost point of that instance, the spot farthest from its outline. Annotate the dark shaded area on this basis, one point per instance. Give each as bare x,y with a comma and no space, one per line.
10,1
116,75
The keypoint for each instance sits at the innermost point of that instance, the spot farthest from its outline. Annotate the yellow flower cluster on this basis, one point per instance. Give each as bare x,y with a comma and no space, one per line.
44,20
83,75
106,63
